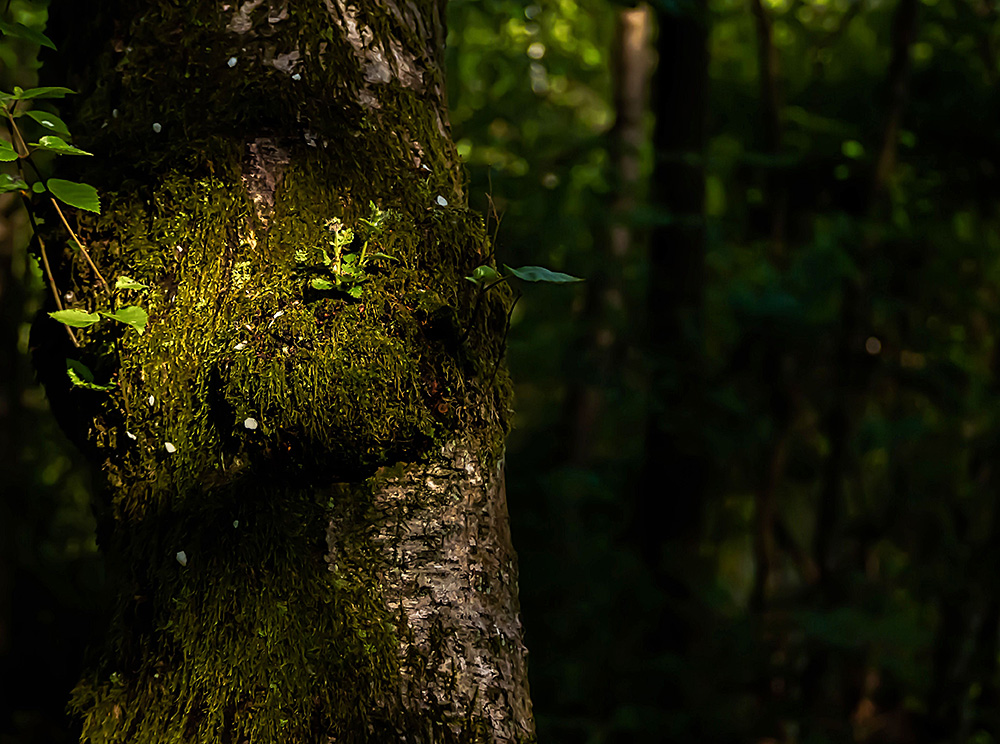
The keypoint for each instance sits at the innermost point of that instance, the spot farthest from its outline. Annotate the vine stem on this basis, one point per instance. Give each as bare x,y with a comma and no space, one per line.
503,341
52,281
27,156
475,309
80,245
34,228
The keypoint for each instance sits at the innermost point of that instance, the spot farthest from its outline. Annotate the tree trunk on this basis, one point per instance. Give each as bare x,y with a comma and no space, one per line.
606,309
304,508
676,286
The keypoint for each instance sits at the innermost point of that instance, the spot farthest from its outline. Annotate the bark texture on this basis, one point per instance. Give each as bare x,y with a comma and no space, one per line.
304,509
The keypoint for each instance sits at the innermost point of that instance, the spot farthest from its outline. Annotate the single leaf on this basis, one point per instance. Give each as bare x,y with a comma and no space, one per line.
484,275
76,318
355,292
48,91
320,283
78,195
541,274
20,31
39,188
58,144
81,376
383,255
80,369
127,282
10,183
7,152
132,315
49,120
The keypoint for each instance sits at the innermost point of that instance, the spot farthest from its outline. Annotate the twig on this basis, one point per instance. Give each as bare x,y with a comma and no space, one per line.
80,245
52,284
34,228
475,308
503,341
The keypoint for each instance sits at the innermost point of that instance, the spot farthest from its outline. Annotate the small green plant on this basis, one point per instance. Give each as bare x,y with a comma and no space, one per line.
18,110
486,278
346,271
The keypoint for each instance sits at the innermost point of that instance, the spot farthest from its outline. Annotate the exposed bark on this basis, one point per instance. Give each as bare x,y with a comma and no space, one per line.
304,510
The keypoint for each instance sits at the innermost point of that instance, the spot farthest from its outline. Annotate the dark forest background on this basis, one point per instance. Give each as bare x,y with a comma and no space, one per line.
754,477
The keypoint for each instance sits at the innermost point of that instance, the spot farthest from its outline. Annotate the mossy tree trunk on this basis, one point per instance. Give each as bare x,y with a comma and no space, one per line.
304,508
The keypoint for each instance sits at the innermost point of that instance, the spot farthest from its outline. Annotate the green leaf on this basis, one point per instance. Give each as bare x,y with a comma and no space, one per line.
20,31
81,376
383,255
49,120
541,274
7,152
78,195
58,145
38,187
344,237
48,91
321,284
355,292
10,183
484,275
76,318
132,315
127,282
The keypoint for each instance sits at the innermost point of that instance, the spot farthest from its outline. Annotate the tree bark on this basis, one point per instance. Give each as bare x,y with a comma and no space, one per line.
304,508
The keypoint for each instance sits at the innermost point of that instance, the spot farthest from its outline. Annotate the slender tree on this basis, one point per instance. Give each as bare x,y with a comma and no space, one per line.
302,447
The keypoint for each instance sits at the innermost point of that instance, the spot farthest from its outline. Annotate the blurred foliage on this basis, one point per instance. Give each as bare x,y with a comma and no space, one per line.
850,371
872,324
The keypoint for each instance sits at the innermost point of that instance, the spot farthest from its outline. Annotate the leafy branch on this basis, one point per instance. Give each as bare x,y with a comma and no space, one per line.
60,193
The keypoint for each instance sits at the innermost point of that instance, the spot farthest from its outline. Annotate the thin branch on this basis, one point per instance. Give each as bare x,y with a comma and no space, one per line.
80,245
503,341
52,283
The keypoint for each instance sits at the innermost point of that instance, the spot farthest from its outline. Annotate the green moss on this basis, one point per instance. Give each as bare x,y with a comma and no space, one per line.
236,332
254,639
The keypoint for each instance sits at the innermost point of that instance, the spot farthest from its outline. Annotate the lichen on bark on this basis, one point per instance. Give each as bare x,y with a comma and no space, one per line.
260,410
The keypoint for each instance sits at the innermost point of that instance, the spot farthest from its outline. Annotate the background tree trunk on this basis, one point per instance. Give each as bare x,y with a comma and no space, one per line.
304,508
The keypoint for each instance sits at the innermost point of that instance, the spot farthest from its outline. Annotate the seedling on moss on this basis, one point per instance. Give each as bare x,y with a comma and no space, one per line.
344,271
